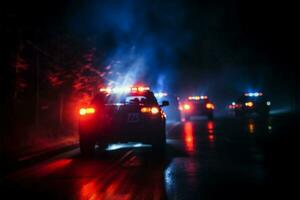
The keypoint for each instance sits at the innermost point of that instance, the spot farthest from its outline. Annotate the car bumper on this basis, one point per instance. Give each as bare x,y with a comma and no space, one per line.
128,132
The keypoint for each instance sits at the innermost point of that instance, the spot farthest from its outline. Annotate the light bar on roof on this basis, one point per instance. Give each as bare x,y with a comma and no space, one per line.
253,94
194,97
197,97
124,89
140,88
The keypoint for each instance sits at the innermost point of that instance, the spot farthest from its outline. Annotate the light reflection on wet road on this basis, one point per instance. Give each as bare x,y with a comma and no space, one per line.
204,160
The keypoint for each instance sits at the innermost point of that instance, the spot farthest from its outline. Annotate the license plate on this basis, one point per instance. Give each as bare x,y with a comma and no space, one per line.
133,117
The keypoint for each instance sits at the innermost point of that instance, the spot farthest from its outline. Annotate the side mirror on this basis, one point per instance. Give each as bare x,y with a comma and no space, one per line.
165,103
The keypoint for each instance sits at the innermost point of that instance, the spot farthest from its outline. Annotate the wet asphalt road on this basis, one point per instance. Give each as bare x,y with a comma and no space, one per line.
226,158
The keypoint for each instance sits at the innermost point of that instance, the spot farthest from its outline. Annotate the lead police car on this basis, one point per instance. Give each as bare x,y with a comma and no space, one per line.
122,115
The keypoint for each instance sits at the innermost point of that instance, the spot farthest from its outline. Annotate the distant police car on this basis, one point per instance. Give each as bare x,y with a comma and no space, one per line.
251,103
122,115
197,106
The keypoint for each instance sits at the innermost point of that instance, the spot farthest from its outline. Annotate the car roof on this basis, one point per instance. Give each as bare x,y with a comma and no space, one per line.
104,97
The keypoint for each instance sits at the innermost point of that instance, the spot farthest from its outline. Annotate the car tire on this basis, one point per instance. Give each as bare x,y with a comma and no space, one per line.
87,146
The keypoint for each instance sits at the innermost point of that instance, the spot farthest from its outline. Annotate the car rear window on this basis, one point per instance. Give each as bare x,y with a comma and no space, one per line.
129,99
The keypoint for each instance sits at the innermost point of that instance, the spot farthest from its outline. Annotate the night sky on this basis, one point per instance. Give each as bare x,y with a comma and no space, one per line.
219,48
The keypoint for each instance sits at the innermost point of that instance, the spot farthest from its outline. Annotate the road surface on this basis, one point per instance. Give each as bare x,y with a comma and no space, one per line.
226,158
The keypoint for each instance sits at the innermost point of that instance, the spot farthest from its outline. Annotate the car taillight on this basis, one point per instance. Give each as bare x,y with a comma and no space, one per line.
152,110
186,107
145,109
249,104
86,111
210,106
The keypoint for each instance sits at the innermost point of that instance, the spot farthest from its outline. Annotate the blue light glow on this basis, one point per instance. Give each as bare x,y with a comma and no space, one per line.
254,94
160,94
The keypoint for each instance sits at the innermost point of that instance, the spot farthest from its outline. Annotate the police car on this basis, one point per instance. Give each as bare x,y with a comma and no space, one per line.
122,115
251,103
197,106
